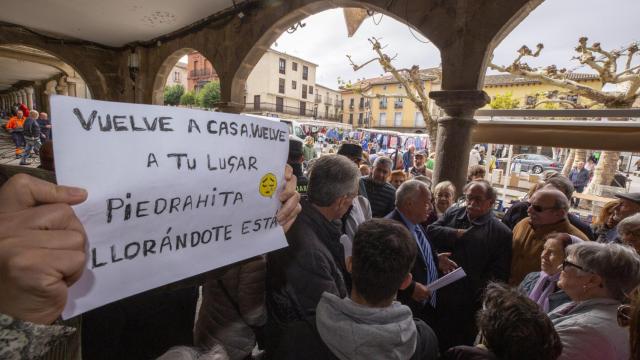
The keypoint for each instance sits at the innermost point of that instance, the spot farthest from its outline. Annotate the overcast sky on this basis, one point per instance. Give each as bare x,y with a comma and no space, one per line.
556,23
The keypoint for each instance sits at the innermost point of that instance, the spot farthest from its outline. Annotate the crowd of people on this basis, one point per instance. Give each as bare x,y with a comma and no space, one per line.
364,247
29,129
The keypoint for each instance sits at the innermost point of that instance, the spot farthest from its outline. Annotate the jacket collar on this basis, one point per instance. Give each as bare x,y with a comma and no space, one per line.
482,220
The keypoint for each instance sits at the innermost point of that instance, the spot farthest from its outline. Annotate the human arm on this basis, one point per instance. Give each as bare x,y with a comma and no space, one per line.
501,261
442,235
445,264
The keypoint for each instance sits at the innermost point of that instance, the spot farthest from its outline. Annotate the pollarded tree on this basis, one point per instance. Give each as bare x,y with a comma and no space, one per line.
209,95
614,67
188,98
412,81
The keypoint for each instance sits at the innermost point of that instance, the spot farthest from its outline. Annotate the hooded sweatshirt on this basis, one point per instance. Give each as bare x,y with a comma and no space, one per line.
352,331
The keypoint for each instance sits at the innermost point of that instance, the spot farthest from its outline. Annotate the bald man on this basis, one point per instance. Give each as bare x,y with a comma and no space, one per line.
548,212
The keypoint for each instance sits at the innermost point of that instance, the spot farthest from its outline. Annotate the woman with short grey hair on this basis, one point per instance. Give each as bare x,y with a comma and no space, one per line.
629,231
597,278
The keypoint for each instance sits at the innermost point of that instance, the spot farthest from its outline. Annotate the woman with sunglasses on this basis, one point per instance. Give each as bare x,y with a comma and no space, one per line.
596,277
542,286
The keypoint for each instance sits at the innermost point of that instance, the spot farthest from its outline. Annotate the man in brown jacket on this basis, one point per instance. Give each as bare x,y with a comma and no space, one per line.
547,213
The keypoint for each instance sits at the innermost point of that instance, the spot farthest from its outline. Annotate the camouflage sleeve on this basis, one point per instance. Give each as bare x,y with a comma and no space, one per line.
24,340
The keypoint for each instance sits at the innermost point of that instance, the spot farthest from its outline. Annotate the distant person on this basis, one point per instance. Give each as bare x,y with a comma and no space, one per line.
369,324
31,133
397,177
474,156
431,163
629,205
45,127
579,177
379,192
295,160
308,150
419,167
604,225
407,158
15,127
365,170
476,172
46,157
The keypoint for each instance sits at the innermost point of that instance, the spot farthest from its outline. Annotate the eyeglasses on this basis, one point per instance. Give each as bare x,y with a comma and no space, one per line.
538,208
567,263
624,315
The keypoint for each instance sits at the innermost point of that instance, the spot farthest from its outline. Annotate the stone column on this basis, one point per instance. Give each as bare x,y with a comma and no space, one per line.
63,87
230,107
29,93
49,89
454,133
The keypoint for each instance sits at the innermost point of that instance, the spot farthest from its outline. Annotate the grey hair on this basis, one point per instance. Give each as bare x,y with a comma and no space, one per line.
408,190
383,160
630,225
331,177
618,265
562,184
217,352
33,114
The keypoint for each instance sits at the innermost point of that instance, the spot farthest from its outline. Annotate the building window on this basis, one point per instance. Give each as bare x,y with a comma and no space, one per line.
360,119
351,119
311,90
382,120
305,72
294,66
294,84
326,111
384,87
282,66
531,100
419,120
176,76
397,119
351,104
279,104
398,103
573,98
303,108
304,91
361,104
256,102
399,86
281,86
383,102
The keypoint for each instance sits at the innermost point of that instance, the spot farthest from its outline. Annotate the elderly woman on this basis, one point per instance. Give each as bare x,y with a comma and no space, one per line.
629,230
444,194
597,278
542,286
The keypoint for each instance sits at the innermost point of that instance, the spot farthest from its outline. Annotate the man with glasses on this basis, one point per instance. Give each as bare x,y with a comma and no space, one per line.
547,212
481,245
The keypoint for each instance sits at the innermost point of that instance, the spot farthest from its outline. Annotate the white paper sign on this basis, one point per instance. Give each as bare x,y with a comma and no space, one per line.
449,278
172,192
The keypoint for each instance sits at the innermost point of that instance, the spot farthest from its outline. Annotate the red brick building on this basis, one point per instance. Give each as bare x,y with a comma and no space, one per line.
200,71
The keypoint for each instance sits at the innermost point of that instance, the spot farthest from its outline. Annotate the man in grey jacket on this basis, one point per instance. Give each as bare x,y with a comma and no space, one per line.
369,324
314,261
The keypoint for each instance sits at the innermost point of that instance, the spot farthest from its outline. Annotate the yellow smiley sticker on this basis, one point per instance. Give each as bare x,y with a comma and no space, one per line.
268,185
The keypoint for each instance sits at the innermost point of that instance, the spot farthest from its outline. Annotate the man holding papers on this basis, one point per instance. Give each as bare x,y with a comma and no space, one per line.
413,204
481,245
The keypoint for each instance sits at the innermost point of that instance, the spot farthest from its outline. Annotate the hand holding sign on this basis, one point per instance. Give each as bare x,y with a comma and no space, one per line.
173,192
41,247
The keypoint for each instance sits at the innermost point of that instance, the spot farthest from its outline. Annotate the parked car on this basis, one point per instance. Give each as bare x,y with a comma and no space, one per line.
533,163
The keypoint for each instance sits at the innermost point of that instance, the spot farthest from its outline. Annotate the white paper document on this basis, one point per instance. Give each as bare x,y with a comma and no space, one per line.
172,192
451,277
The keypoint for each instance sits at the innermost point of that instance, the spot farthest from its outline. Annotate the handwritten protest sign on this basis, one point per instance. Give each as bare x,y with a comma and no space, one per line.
172,192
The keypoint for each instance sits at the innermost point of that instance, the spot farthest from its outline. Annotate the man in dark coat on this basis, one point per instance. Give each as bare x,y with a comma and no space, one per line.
481,245
369,324
314,261
376,188
413,206
579,176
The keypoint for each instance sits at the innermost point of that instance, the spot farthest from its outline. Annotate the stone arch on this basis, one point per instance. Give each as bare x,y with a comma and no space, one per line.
91,77
233,85
157,89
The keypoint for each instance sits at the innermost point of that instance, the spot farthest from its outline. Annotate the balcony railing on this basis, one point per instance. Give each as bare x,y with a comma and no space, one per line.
271,107
199,73
318,99
383,104
397,106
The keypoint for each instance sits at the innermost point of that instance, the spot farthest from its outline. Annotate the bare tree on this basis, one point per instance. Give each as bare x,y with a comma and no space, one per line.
413,83
606,64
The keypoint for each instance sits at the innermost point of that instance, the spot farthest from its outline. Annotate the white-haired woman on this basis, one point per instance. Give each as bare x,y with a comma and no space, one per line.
597,278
